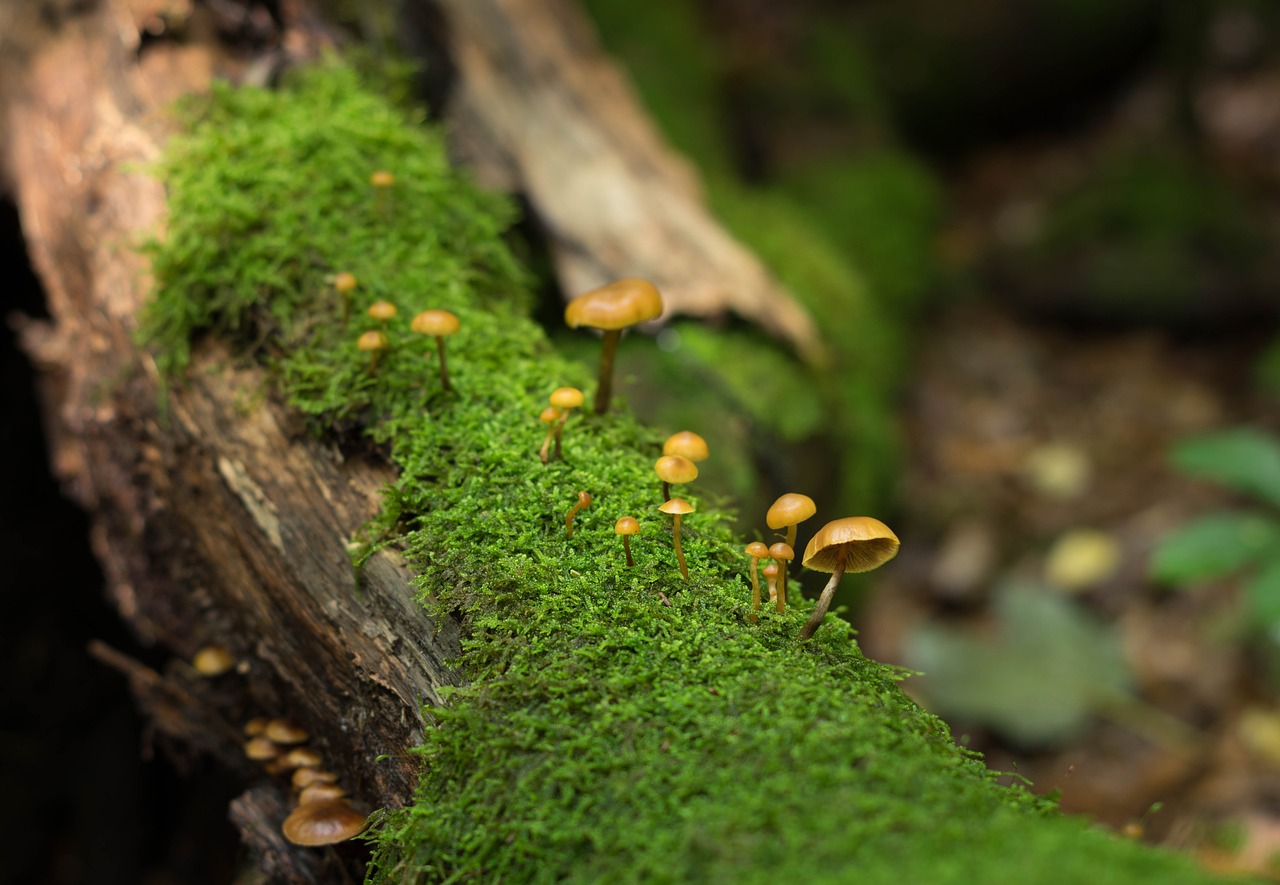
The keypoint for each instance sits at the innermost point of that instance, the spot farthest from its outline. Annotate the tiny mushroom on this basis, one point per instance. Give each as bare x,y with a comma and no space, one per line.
438,324
757,551
255,727
853,544
345,282
282,731
781,553
382,311
382,181
674,469
687,444
611,309
626,526
566,399
788,512
259,749
323,823
213,660
320,792
678,507
771,575
550,415
583,502
303,757
375,343
307,777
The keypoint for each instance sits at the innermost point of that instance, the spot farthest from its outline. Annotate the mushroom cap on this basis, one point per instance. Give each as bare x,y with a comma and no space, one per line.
371,341
688,444
282,731
757,549
567,398
675,468
306,777
213,660
770,570
676,507
322,823
864,541
435,322
790,509
255,727
382,178
260,749
382,309
303,757
345,281
616,306
782,550
626,525
320,792
549,415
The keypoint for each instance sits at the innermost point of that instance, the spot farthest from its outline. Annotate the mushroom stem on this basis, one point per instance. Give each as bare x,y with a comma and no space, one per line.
824,602
583,502
444,368
545,452
666,491
791,542
626,545
755,590
558,427
608,350
684,569
782,588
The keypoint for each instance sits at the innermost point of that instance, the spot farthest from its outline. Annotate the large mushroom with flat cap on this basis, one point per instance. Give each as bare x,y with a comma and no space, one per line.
611,309
323,823
852,544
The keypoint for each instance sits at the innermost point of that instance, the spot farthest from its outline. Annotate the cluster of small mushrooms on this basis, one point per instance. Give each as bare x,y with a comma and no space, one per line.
322,814
852,544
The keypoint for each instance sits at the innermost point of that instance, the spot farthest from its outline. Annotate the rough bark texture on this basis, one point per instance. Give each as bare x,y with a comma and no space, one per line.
215,519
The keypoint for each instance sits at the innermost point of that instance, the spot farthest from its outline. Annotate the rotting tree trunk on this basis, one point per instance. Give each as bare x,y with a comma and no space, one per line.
215,519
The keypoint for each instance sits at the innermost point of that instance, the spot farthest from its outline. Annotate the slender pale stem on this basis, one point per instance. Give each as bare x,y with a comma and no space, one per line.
559,427
824,601
782,584
608,350
626,545
546,444
755,589
684,569
444,368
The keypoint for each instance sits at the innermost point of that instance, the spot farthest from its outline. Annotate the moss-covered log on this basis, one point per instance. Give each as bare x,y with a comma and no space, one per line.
599,721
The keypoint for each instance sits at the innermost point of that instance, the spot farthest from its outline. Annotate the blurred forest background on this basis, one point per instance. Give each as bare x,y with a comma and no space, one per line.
1041,239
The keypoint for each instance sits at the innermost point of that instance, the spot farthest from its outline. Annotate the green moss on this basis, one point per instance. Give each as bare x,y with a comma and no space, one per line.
619,723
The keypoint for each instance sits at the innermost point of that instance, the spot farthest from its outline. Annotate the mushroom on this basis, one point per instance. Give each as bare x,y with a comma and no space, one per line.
611,309
282,731
382,311
213,660
678,507
771,575
550,415
674,469
687,444
307,777
322,823
255,727
345,283
583,502
788,512
626,526
757,551
565,399
437,323
382,181
853,544
375,343
259,749
320,792
303,757
781,553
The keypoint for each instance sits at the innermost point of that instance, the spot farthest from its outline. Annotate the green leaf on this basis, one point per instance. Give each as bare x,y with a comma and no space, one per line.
1243,459
1037,680
1213,546
1263,593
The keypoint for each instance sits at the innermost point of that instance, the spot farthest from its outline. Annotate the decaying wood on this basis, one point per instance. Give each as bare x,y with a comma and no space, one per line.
540,109
215,519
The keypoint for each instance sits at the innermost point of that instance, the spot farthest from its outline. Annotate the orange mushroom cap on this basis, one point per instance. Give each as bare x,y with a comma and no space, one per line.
323,823
435,322
371,341
757,549
782,551
864,543
616,306
676,507
688,444
790,509
626,525
382,178
567,398
675,469
345,281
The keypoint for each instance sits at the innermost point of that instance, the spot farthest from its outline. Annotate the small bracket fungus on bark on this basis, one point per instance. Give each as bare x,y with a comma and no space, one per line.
853,544
439,324
611,309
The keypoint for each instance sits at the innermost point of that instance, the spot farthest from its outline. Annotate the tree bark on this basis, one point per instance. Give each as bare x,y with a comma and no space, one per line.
216,520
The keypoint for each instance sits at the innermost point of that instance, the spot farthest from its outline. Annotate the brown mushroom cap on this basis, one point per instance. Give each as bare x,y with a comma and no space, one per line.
688,444
676,507
770,571
213,660
322,823
626,525
382,310
567,398
616,306
790,509
435,322
260,749
303,757
255,727
382,178
757,549
675,469
864,541
549,415
306,777
371,341
282,731
782,551
345,281
320,792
